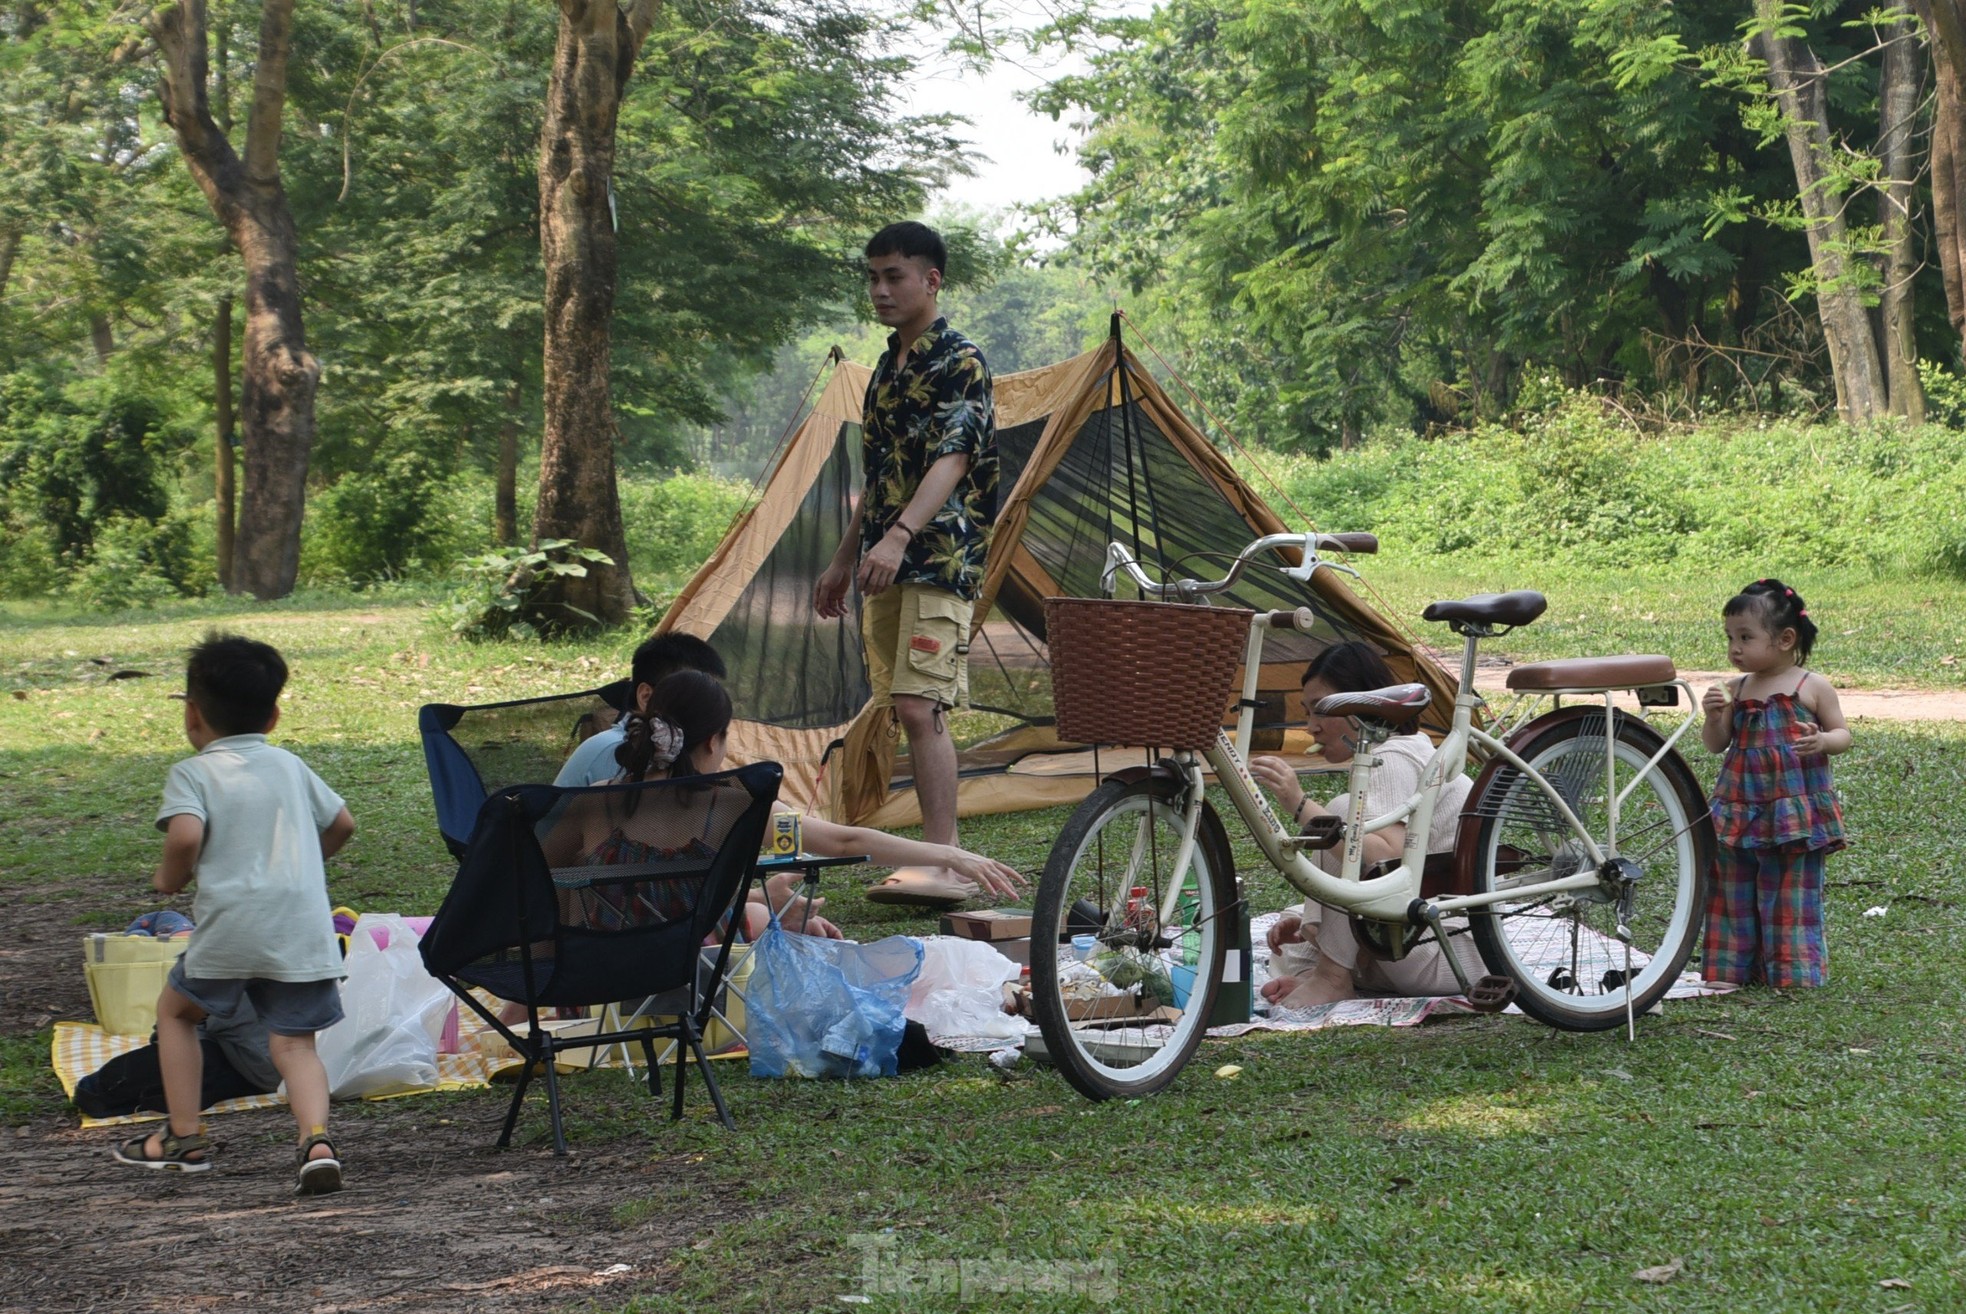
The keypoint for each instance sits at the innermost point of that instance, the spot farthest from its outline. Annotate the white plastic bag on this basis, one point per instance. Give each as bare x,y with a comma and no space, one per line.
960,990
393,1013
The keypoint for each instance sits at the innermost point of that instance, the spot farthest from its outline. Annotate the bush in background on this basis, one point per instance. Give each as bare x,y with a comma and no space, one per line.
673,524
1580,484
403,519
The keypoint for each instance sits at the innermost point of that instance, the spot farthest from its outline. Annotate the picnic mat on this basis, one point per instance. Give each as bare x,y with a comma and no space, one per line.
1394,1011
83,1047
1367,1011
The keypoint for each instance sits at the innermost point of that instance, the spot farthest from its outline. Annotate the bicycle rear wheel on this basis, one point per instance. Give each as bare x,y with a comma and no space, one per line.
1125,1022
1562,950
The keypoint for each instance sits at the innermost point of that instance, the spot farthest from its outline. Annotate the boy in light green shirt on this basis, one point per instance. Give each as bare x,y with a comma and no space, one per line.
253,825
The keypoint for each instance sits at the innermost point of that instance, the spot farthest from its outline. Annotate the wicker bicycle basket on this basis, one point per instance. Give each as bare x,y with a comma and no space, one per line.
1159,674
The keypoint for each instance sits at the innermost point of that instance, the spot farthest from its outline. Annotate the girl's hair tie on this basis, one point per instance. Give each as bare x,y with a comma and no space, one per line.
1802,611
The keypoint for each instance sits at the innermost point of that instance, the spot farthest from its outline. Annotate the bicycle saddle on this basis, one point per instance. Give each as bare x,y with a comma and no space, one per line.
1397,706
1517,608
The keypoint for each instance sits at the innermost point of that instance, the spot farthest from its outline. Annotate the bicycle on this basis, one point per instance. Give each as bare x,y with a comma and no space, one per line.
1581,859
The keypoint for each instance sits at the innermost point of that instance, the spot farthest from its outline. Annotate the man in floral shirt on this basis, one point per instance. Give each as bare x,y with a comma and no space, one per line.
917,542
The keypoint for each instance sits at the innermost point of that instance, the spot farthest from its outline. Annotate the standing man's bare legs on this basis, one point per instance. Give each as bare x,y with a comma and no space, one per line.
932,751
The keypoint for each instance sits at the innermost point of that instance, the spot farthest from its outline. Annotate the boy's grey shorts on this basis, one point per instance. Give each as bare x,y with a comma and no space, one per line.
288,1008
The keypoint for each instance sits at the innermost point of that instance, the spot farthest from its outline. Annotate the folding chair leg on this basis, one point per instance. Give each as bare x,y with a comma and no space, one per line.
553,1102
682,1054
655,1069
518,1098
710,1080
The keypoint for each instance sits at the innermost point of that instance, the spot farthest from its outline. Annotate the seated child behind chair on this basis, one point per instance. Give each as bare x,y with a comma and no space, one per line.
252,824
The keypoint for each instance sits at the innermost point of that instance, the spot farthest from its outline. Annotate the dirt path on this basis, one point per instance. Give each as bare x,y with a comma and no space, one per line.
434,1219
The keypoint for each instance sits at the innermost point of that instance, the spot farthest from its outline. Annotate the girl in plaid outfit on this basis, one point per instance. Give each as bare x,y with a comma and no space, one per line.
1774,810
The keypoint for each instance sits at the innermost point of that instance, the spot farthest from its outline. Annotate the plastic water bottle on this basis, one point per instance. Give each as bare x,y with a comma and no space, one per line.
850,1042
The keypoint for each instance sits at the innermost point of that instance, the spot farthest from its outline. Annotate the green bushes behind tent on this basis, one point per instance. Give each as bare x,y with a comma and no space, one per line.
1580,483
408,521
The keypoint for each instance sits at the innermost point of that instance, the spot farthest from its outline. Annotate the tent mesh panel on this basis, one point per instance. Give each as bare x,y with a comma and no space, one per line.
787,666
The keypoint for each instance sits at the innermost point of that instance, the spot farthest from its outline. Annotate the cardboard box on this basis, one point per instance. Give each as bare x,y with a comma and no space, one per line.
989,924
1128,1007
1017,951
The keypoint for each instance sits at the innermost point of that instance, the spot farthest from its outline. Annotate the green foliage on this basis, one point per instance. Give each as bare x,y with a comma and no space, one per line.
1945,394
70,461
674,524
1580,485
402,518
502,593
1344,212
29,565
133,564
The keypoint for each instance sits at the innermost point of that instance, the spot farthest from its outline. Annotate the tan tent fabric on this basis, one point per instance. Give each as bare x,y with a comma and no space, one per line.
853,784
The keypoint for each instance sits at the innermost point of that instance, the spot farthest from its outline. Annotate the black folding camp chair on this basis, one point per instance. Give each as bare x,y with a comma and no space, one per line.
586,897
472,752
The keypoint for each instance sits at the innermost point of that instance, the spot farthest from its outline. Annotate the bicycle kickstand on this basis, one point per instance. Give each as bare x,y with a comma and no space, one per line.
1625,938
1492,993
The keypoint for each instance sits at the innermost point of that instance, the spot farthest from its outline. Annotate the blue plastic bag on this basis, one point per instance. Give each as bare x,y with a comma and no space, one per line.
827,1008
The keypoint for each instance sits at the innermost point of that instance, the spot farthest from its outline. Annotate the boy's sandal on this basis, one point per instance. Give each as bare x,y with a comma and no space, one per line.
317,1176
175,1152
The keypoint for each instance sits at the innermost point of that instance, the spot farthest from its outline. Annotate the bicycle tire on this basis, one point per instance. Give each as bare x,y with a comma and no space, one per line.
1109,1060
1561,950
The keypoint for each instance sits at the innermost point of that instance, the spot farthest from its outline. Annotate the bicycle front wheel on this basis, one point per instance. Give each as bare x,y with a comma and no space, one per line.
1125,1019
1562,950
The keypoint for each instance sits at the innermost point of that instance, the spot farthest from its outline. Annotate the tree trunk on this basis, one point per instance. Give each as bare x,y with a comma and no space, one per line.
1945,24
222,473
1798,80
9,248
578,499
102,337
1899,92
279,376
505,505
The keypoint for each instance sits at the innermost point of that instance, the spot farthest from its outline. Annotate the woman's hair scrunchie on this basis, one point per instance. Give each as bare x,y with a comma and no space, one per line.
649,743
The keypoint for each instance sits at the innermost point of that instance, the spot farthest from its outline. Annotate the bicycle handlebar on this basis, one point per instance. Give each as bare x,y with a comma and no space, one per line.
1187,590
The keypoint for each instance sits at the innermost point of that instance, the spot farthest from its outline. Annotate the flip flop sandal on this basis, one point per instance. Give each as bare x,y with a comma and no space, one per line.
316,1176
916,887
176,1153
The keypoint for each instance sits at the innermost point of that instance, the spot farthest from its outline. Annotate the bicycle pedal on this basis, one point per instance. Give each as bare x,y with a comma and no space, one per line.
1322,832
1492,993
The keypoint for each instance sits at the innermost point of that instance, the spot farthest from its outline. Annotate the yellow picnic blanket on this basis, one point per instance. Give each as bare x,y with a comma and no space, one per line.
83,1047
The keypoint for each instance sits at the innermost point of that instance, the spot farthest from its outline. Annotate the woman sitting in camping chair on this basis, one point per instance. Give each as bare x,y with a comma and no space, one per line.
685,730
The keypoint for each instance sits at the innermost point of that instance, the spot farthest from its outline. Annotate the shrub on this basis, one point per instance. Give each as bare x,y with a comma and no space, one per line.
500,593
69,464
674,524
394,520
132,563
1578,485
29,565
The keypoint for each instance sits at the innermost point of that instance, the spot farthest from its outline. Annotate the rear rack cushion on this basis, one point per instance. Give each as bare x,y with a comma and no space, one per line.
1633,672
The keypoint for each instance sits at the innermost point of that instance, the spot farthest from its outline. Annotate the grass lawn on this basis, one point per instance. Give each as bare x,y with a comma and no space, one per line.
1790,1153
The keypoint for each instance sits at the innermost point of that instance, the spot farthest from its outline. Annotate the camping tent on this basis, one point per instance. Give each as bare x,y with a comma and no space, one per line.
1092,451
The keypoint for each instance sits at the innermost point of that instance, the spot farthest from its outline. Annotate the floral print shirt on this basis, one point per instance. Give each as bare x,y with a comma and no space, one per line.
939,402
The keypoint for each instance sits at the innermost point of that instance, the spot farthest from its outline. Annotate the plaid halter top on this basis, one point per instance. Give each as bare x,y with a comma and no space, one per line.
1769,795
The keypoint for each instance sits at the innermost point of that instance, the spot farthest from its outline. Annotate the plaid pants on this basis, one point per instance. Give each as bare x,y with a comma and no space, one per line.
1765,917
